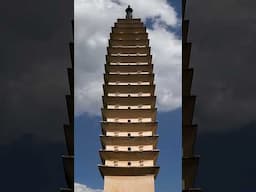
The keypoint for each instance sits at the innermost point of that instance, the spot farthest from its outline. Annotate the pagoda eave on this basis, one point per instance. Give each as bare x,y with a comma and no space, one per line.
133,20
129,127
136,30
129,89
129,68
129,155
128,171
128,36
143,42
129,78
129,59
116,50
109,100
129,141
125,25
129,113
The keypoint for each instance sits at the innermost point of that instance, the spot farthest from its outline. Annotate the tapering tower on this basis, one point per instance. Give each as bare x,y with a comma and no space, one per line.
129,141
190,161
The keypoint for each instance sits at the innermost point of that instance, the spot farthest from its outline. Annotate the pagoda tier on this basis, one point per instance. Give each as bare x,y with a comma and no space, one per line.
129,113
124,101
190,161
128,50
189,138
129,155
129,59
125,24
134,20
120,78
128,36
129,89
128,127
68,162
188,103
189,169
128,69
129,140
133,30
132,43
187,77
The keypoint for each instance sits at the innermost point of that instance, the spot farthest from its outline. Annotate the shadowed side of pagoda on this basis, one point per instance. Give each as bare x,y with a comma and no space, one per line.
190,161
68,160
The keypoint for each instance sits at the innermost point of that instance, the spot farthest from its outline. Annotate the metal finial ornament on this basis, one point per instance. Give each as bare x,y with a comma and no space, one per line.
128,12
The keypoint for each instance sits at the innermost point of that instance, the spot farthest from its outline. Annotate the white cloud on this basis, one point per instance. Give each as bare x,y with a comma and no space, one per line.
93,21
83,188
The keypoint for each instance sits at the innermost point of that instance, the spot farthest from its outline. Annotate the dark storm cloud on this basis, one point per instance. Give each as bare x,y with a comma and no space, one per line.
30,165
34,57
223,55
227,161
117,2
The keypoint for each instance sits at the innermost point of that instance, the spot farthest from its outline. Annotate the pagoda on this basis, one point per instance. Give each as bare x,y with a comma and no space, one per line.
68,159
129,140
190,160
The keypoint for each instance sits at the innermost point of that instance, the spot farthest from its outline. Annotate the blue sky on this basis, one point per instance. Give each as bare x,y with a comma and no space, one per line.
87,126
87,144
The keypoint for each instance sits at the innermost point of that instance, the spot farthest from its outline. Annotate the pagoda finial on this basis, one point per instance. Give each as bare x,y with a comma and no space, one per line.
128,12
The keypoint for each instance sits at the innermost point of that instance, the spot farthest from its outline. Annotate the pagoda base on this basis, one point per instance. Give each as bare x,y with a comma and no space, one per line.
129,183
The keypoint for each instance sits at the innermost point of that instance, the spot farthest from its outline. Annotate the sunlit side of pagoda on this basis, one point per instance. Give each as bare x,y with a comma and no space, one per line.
129,140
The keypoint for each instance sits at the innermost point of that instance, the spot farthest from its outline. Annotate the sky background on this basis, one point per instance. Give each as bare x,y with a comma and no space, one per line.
93,22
